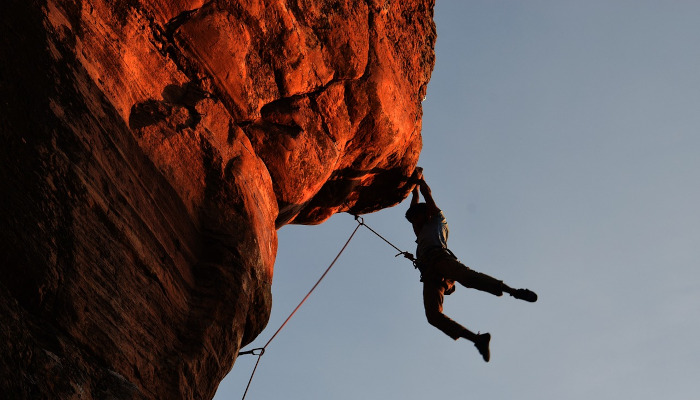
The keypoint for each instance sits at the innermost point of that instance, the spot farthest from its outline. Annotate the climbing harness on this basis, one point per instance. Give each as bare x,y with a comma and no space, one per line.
259,351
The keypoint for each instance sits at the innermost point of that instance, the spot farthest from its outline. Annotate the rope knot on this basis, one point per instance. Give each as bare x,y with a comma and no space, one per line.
407,255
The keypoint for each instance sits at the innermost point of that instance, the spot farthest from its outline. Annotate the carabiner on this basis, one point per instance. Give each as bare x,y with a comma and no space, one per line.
253,352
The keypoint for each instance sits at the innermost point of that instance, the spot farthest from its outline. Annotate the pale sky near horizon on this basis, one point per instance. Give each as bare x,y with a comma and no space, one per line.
561,141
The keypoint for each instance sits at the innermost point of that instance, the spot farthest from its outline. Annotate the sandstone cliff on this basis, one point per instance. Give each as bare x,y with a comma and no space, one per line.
150,150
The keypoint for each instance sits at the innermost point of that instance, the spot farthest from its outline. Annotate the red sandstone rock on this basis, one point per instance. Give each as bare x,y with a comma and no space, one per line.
150,151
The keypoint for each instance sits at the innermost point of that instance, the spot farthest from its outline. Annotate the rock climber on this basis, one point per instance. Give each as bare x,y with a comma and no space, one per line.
440,268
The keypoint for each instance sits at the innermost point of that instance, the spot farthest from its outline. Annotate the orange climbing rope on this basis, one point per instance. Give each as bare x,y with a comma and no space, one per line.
259,351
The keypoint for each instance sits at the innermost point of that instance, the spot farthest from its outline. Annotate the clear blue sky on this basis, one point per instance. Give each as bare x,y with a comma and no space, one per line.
561,139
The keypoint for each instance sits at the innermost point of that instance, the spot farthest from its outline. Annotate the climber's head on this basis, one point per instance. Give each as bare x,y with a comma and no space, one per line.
417,214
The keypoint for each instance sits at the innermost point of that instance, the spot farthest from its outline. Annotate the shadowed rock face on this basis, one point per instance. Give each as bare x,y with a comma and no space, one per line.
150,150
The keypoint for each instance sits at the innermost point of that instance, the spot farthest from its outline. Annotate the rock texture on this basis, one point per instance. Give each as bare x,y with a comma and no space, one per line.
150,150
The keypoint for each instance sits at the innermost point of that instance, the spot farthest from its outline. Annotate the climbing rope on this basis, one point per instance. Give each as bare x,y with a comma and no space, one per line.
259,351
406,254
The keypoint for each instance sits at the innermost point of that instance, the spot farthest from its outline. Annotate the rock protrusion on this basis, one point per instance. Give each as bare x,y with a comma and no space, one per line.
150,151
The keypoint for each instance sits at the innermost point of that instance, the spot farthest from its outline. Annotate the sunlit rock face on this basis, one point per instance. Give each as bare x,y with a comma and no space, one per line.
150,150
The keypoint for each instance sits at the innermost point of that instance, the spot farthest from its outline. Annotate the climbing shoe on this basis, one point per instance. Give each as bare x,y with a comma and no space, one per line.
525,294
482,344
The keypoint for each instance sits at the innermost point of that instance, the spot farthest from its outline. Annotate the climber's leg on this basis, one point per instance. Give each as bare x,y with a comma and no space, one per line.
451,268
433,296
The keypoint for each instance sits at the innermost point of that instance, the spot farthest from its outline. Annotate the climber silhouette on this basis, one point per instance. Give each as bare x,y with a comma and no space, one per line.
440,268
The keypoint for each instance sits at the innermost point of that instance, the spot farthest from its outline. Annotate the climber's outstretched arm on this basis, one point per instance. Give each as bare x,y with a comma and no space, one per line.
415,195
416,177
433,209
